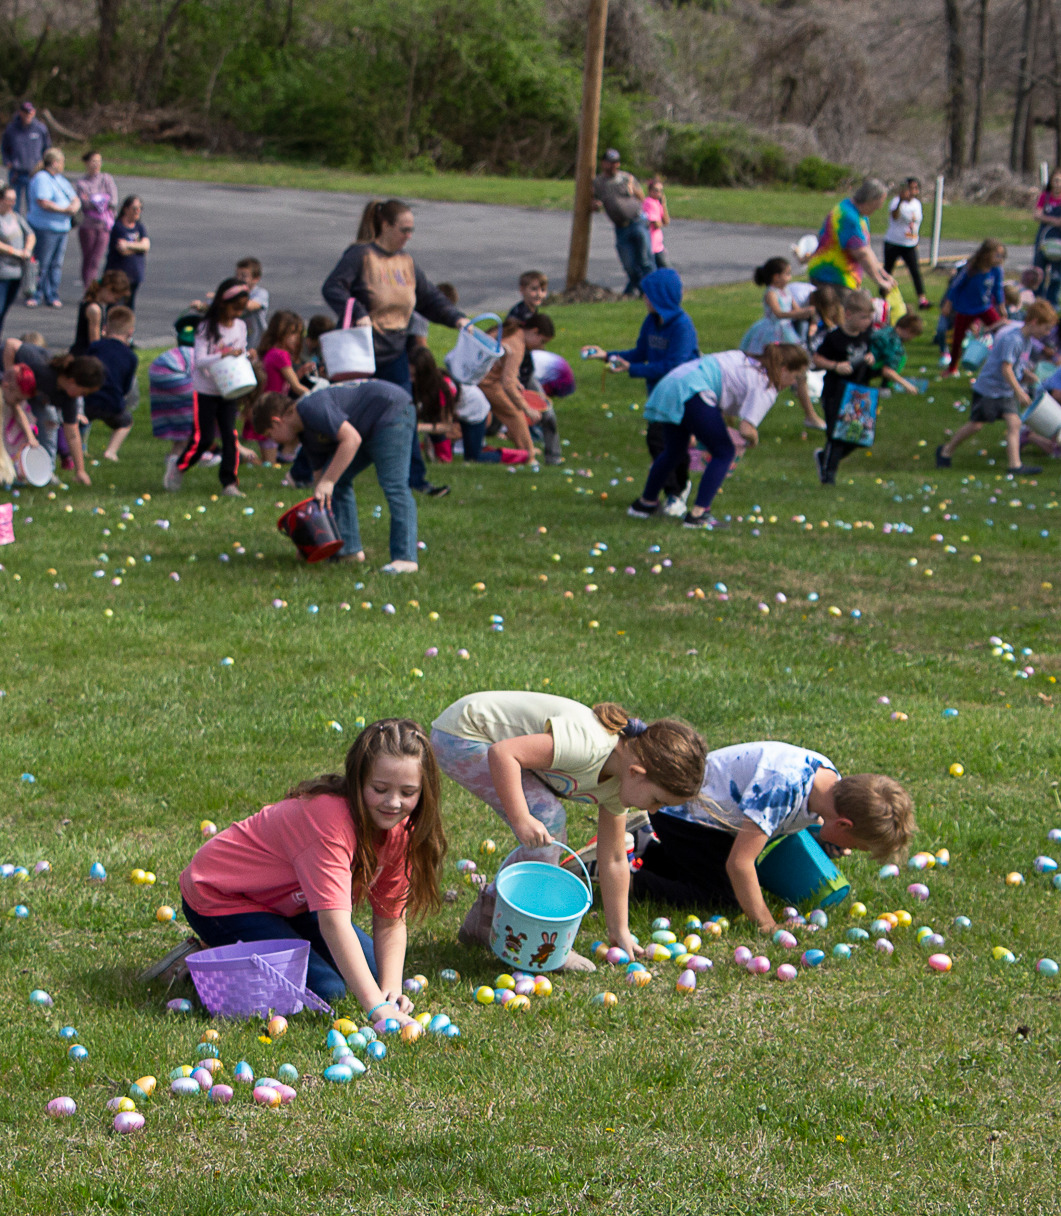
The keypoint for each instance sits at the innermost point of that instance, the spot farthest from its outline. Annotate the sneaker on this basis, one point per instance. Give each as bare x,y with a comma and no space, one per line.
1025,470
210,460
925,302
431,491
707,522
233,491
641,510
942,462
170,963
675,505
173,476
819,460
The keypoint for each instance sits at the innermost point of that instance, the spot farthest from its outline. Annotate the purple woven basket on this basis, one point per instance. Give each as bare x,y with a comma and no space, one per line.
255,978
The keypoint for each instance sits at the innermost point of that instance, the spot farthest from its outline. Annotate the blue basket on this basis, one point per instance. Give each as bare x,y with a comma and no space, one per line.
796,869
538,912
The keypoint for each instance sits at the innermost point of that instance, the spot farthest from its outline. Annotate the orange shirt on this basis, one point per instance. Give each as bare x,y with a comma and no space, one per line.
292,857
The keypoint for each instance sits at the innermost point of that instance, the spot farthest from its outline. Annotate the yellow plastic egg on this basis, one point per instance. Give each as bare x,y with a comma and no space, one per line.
208,827
421,980
504,980
957,770
487,847
601,950
149,879
858,910
138,876
1014,878
518,1004
165,915
423,1019
147,1084
692,943
1000,953
903,918
126,1104
891,918
485,995
210,1035
543,986
411,1031
713,928
344,1026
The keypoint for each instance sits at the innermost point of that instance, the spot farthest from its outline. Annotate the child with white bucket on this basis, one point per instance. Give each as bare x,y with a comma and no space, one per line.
523,753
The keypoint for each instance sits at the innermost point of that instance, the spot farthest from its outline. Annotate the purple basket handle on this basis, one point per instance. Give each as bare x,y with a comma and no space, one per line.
303,994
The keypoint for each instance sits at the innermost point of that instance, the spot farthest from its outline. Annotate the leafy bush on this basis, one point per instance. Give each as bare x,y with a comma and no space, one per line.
720,156
813,173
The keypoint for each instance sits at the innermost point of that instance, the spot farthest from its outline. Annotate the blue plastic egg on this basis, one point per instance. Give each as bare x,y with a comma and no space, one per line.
287,1073
208,1051
97,873
39,997
635,966
855,934
452,1032
449,976
357,1041
68,1032
1056,880
812,958
339,1052
1045,865
335,1038
243,1072
841,950
377,1050
339,1073
77,1053
438,1023
962,922
661,922
369,1034
1047,967
819,918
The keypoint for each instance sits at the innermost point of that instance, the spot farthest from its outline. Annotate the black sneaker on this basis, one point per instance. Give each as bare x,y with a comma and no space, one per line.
819,460
706,522
942,462
639,509
432,491
1025,470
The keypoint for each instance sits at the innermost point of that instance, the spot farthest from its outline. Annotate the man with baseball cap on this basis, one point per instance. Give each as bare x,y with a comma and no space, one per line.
24,143
619,194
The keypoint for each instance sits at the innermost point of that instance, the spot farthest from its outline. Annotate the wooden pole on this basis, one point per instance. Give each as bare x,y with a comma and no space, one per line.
586,163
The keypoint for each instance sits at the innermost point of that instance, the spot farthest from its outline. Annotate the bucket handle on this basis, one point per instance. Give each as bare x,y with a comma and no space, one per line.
348,315
490,316
560,845
303,994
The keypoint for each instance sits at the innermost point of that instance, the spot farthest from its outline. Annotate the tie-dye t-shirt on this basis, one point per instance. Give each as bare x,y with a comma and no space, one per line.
844,233
767,783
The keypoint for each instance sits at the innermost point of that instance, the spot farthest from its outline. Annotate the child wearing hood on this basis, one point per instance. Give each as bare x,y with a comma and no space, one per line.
667,340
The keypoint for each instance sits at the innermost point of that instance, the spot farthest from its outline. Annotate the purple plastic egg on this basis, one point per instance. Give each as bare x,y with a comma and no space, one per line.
918,890
742,956
128,1121
524,987
884,946
786,972
697,962
221,1094
61,1108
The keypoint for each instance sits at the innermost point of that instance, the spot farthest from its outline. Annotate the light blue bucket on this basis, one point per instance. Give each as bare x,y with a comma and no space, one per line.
538,912
797,869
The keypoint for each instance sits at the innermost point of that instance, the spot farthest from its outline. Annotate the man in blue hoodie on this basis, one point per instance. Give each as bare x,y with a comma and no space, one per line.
667,340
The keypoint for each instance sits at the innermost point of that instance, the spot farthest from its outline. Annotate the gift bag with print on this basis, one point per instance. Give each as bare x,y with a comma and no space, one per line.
857,419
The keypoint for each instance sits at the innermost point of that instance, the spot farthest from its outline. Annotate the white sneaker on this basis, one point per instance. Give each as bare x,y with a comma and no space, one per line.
173,476
676,504
210,460
233,491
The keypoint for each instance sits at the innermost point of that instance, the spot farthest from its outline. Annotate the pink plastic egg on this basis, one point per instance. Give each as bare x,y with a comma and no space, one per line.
786,972
616,956
221,1094
287,1094
940,962
61,1108
786,940
697,962
265,1095
203,1079
918,890
884,946
742,956
128,1121
759,965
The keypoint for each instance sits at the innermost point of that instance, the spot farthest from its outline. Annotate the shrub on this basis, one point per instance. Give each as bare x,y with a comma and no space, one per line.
813,173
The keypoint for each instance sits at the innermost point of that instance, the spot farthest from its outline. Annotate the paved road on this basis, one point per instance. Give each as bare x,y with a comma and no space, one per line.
198,230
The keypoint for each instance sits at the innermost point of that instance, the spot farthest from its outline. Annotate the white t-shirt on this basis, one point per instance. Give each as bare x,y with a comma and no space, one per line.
208,352
904,225
801,293
472,405
581,745
746,389
767,783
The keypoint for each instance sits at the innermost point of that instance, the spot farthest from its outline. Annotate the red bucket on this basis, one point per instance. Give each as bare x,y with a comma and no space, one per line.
313,529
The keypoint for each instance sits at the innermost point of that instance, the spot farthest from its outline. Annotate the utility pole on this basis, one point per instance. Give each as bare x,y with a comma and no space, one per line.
586,162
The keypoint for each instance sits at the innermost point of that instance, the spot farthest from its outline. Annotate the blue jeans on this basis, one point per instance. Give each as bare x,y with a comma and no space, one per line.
18,180
634,247
705,421
49,252
397,372
322,975
1050,288
8,295
388,449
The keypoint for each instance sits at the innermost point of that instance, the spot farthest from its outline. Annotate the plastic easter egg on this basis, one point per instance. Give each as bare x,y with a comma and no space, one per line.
661,922
786,972
518,1004
377,1050
39,997
812,958
639,979
182,1070
923,932
287,1094
484,995
890,919
686,982
918,890
1054,835
598,949
265,1095
784,939
956,770
819,918
128,1121
344,1026
137,877
524,987
368,1032
884,946
61,1108
165,915
210,1035
466,866
962,922
904,918
243,1073
451,1032
221,1094
207,827
411,1031
721,921
616,956
118,1104
502,996
841,950
880,928
185,1086
203,1079
607,999
889,871
1056,880
943,857
388,1026
1047,967
933,941
713,929
67,1032
179,1005
856,934
504,980
277,1026
449,976
1045,865
355,1041
149,879
543,985
77,1053
857,911
1014,878
675,950
42,867
411,986
698,963
657,954
1001,955
759,965
438,1023
742,956
693,924
335,1038
940,962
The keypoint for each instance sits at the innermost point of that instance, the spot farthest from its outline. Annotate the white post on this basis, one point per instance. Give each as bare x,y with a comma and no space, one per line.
1044,174
937,221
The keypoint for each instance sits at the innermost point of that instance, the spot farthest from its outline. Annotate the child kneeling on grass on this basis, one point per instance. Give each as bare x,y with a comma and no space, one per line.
522,752
705,849
296,868
998,391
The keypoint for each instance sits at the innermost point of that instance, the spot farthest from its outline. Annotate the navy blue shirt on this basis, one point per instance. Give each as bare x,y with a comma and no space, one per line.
131,263
120,363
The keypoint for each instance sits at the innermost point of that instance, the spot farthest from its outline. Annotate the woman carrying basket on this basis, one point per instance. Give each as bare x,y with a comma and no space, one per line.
296,869
386,286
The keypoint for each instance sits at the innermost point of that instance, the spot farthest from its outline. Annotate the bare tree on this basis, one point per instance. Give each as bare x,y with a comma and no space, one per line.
1019,133
103,77
981,81
952,19
150,81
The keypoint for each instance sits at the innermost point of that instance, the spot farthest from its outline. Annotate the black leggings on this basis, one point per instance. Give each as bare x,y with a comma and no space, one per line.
678,478
212,413
687,868
908,253
835,449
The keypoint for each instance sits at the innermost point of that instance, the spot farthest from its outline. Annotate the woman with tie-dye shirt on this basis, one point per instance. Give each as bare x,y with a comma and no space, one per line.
844,251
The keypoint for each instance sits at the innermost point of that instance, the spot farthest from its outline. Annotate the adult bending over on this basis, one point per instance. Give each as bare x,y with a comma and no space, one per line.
343,429
844,251
386,286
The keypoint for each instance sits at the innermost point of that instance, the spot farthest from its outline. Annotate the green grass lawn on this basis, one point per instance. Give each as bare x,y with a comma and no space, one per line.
789,207
870,1087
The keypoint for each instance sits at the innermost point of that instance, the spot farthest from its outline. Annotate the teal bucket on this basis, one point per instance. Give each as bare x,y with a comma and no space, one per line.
538,912
797,870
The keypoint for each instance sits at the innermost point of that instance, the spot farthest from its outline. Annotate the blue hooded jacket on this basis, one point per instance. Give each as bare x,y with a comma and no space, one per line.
668,335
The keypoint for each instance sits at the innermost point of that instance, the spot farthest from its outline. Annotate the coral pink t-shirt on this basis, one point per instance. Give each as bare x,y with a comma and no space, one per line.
652,210
274,361
293,857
